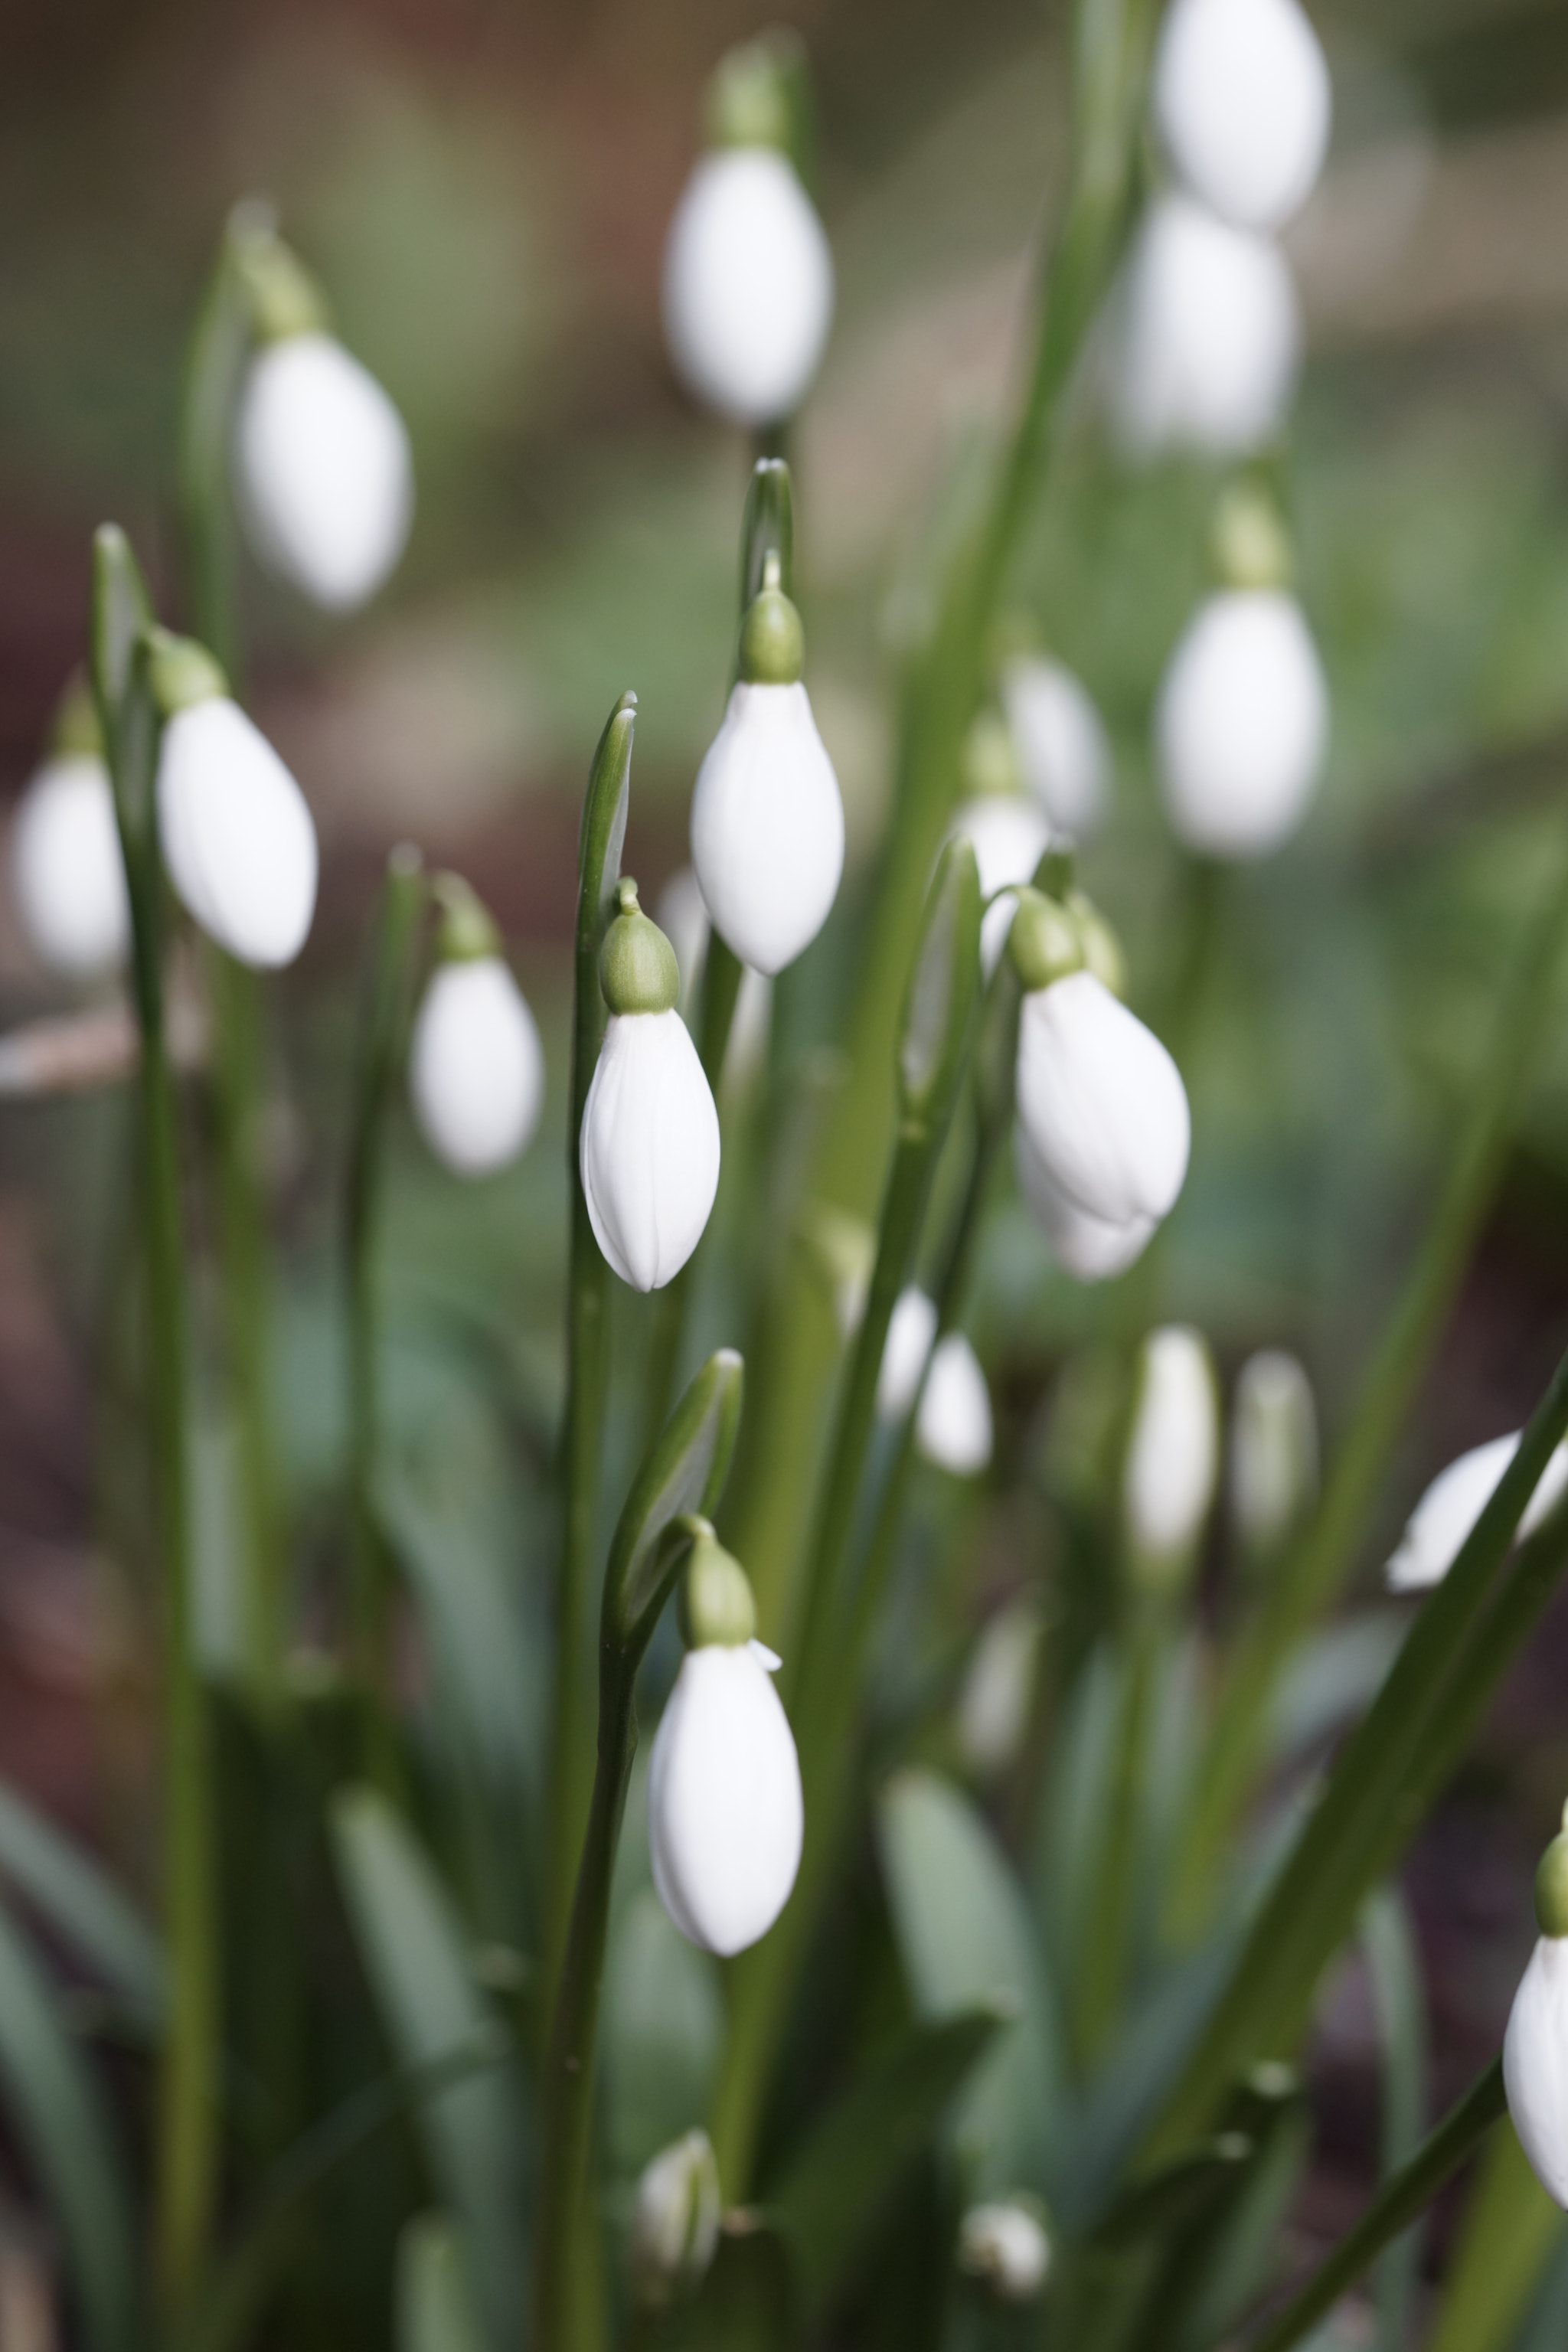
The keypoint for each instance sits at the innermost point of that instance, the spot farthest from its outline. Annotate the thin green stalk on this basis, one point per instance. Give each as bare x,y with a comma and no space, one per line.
1103,1961
1396,2205
1314,1570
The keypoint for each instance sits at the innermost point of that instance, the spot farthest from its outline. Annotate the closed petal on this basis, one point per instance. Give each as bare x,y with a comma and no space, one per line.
767,827
910,1330
725,1819
1437,1528
954,1428
1091,1249
748,286
650,1148
67,869
1208,337
323,471
1172,1459
476,1069
1241,725
1061,744
1243,101
1535,2064
237,837
1101,1101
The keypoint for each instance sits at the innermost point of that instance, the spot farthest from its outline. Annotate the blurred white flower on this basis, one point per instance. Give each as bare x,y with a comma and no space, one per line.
725,1818
1273,1448
767,827
994,1698
910,1331
1009,836
748,286
1061,743
953,1427
1173,1458
323,472
650,1148
1240,724
675,2221
1102,1102
476,1068
1244,102
682,918
1090,1248
67,872
1206,338
1535,2064
1005,2245
1438,1527
237,833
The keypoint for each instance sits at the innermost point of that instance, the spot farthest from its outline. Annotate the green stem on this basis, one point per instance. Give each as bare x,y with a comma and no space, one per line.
1103,1961
1396,2205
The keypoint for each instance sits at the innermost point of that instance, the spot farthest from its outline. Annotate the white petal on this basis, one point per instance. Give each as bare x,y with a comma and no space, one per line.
67,869
1535,2064
1091,1249
1061,744
1172,1460
725,1818
682,916
1004,2244
1243,101
1241,724
767,827
953,1429
236,834
1101,1101
910,1330
748,286
1438,1527
1009,836
476,1069
1273,1446
323,473
1206,336
650,1148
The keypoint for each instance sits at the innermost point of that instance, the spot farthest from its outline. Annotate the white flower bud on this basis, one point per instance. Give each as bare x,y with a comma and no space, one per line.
1102,1102
1208,339
1438,1527
67,871
953,1427
994,1702
767,827
1009,836
237,833
1061,744
675,2221
476,1068
1273,1449
1005,2246
324,474
748,286
1091,1249
912,1329
1243,101
1241,724
682,918
1535,2064
650,1148
1172,1459
725,1817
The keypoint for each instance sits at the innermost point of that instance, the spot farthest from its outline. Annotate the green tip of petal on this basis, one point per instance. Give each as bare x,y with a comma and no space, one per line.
76,732
637,970
180,672
1046,943
284,297
717,1606
990,767
773,642
1551,1888
1252,549
752,97
466,930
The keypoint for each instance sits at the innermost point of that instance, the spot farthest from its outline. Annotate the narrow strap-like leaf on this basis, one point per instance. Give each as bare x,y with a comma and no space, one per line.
683,1472
434,2301
80,1904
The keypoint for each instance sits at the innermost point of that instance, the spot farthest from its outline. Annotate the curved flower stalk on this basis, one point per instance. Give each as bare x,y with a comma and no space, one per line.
649,1146
1062,748
475,1067
1273,1451
1172,1468
675,2221
1454,1500
767,823
1535,2047
1004,2246
1206,343
67,871
682,916
726,1817
1241,724
237,833
1243,104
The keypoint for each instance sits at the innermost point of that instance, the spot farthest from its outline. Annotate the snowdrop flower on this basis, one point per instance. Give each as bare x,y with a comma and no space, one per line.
748,286
476,1068
1172,1459
1438,1527
1207,338
1090,1248
910,1332
683,918
1240,724
1005,2246
648,1151
725,1818
675,2221
1535,2047
767,823
236,834
1009,833
953,1428
1243,101
68,874
1273,1449
1061,744
993,1703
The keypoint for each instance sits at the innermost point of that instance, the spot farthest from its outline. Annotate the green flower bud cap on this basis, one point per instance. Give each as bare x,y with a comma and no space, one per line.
773,642
1552,1885
284,299
1250,548
76,733
717,1607
1101,949
181,672
637,970
989,767
754,97
1046,943
466,931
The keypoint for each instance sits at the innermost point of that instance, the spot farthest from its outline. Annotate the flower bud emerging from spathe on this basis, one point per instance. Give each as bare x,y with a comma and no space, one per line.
748,286
1438,1527
650,1147
675,2221
1063,754
767,823
1243,101
1273,1450
476,1068
68,874
1535,2047
725,1818
1173,1458
1240,724
994,1701
1208,339
1006,2247
236,834
683,918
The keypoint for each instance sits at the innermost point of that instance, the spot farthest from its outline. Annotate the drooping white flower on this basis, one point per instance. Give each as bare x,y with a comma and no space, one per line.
1273,1448
768,825
1102,1102
1090,1248
1535,2064
675,2221
1005,2246
1438,1527
1207,337
725,1818
67,871
953,1426
323,469
1009,836
682,918
475,1067
994,1701
748,286
1060,740
1241,723
1243,99
1173,1458
912,1329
